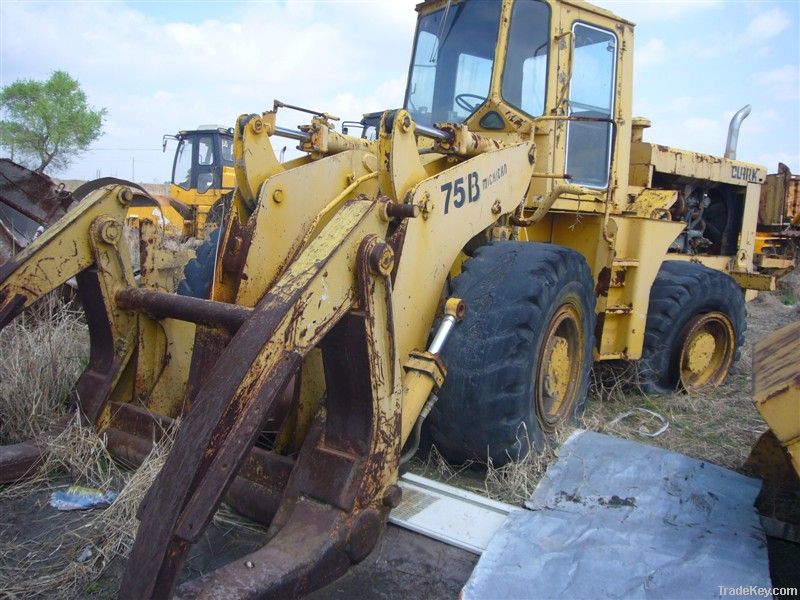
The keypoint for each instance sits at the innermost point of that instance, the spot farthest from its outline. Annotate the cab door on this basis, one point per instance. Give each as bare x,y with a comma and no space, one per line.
590,103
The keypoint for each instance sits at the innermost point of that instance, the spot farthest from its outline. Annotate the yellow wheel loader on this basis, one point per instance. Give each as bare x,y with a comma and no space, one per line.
504,230
202,173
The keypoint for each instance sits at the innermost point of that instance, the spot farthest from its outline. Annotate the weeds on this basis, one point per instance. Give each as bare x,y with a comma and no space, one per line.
515,481
44,350
718,425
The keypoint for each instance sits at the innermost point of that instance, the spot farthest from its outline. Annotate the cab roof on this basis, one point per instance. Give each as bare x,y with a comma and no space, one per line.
429,5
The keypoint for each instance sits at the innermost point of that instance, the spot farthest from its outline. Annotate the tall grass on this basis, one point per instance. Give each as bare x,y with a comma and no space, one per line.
42,353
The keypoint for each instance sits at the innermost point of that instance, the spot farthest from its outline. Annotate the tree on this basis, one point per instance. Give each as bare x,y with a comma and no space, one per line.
48,122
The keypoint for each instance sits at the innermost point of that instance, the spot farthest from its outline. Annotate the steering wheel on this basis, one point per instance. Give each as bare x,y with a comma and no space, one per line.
463,101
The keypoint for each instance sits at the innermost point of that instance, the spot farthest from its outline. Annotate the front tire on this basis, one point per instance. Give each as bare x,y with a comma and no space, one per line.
518,365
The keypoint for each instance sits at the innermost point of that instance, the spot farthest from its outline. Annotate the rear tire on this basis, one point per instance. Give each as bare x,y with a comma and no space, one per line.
695,328
518,365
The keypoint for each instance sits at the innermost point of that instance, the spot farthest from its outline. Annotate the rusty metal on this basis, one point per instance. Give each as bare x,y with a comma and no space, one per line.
779,204
209,342
162,305
297,351
255,492
94,386
238,396
17,461
32,194
396,210
29,203
20,461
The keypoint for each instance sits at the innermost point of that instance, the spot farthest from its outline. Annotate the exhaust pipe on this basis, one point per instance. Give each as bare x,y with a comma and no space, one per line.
733,131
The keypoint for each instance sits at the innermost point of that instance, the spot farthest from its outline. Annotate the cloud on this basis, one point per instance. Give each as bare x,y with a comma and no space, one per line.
158,77
643,11
756,38
652,52
765,26
782,83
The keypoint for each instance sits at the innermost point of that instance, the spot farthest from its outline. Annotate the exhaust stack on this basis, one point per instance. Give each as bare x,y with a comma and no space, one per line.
733,131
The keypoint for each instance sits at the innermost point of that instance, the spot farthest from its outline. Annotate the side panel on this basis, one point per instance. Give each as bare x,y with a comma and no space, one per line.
623,276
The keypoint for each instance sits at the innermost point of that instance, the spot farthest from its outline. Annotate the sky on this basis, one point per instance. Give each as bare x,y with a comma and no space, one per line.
159,67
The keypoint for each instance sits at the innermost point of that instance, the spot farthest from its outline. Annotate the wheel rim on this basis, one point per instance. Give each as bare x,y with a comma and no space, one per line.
707,351
559,367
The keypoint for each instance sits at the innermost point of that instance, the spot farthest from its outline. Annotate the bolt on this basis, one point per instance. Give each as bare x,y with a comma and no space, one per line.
402,211
496,208
124,196
110,232
277,195
406,124
381,259
257,125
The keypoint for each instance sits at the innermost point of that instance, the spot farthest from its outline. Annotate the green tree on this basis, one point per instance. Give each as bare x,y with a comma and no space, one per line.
48,123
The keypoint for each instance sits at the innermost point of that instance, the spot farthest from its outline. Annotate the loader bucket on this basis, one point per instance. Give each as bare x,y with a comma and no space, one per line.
776,395
29,203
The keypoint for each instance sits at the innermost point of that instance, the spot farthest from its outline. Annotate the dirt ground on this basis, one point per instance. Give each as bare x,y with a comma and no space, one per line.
719,427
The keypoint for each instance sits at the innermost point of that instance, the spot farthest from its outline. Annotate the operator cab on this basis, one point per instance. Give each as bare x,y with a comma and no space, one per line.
501,66
201,157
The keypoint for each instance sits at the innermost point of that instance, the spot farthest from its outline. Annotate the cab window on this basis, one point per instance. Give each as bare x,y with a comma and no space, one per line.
452,62
182,173
205,151
591,96
525,72
226,145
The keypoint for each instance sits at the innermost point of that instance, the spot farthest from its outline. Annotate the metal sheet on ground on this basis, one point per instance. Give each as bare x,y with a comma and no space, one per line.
448,514
615,518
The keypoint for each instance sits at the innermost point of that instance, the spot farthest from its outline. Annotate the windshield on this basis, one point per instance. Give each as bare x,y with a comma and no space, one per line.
182,172
452,66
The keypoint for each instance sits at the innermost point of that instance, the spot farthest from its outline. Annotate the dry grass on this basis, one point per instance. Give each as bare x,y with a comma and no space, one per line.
514,482
719,425
44,350
60,555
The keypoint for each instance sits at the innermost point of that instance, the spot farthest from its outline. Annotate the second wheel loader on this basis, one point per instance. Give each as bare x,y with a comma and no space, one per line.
202,173
504,230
